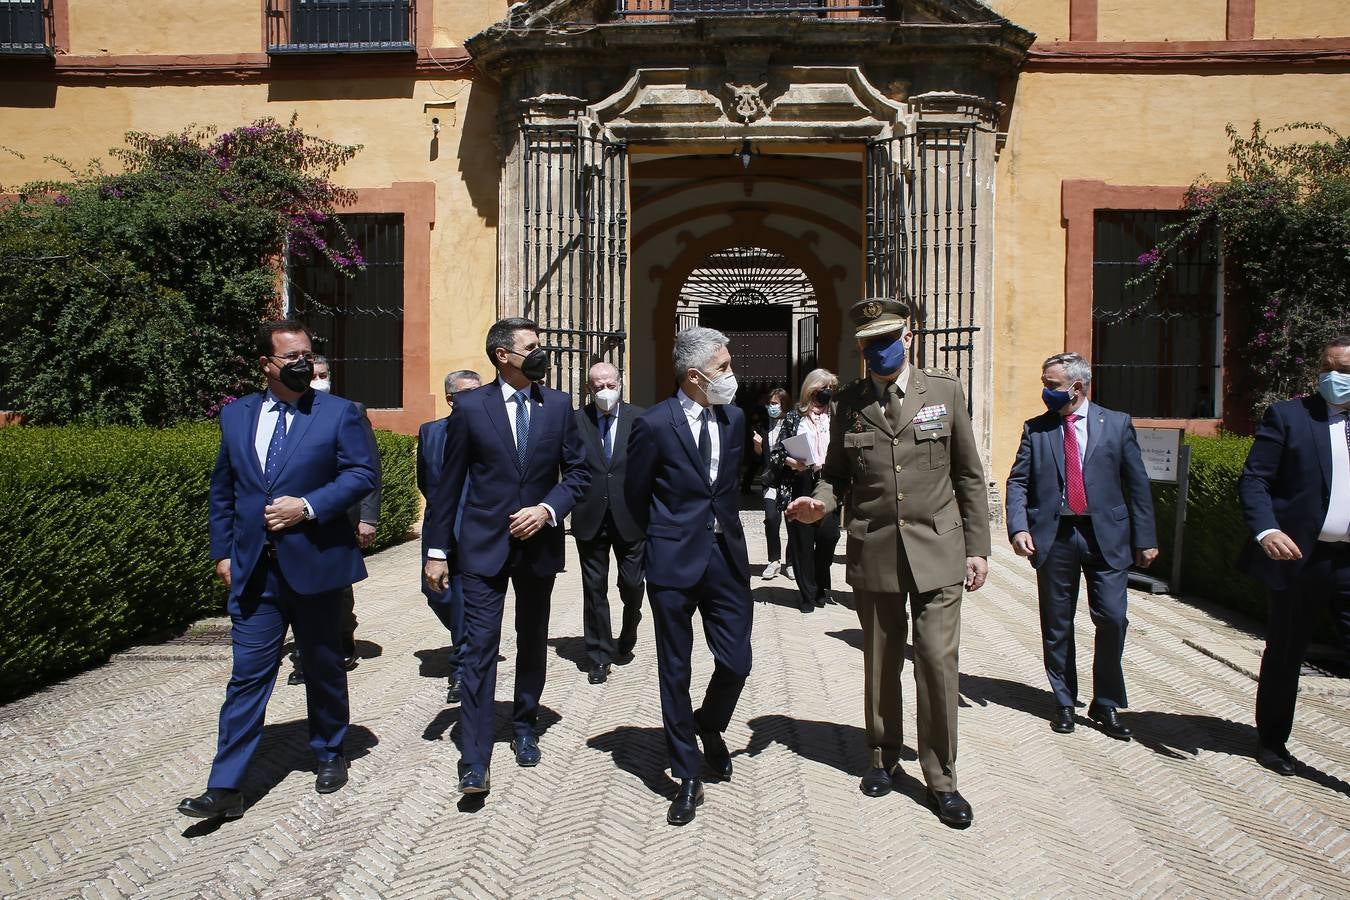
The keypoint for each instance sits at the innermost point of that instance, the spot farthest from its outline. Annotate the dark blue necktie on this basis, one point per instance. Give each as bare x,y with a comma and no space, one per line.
606,441
522,426
705,445
278,439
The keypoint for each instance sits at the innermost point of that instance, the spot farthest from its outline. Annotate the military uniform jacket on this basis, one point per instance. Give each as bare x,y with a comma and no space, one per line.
918,490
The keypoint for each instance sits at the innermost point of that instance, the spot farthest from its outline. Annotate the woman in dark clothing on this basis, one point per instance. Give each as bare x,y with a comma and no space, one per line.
766,435
812,546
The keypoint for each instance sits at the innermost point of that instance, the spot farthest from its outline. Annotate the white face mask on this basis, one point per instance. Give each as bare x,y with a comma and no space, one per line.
606,400
322,384
720,391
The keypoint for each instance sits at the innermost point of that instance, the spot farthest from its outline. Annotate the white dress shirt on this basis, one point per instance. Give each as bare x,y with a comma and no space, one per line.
694,412
262,438
1336,526
612,430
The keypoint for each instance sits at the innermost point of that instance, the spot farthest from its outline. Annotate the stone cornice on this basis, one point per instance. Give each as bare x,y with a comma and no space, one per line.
1187,56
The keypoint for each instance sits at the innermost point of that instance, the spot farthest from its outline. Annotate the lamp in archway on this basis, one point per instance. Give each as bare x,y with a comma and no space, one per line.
744,153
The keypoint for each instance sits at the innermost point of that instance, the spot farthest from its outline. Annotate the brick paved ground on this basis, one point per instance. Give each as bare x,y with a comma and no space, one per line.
92,768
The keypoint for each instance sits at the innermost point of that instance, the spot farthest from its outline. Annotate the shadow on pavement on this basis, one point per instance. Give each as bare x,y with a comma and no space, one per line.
572,649
368,650
778,596
448,718
435,663
843,747
284,749
640,752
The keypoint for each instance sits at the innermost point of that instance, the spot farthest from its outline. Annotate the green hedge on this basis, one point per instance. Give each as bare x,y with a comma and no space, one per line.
1215,531
103,540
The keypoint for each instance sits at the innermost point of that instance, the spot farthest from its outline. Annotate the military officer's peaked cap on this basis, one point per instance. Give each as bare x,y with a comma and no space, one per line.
879,316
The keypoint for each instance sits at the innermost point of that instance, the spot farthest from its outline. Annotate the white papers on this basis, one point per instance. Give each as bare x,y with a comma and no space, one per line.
802,448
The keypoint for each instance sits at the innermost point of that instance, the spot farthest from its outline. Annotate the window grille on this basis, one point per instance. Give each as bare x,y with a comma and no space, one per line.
26,28
340,26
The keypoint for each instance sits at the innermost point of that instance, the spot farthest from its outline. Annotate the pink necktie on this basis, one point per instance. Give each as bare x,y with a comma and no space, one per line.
1074,492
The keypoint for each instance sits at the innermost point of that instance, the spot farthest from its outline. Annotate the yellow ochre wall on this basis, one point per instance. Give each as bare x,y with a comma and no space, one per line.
1123,130
1162,20
1302,18
388,121
1049,19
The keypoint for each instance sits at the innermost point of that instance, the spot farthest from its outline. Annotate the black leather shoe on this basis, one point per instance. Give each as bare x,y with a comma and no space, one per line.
686,802
350,662
715,752
808,607
952,809
825,599
598,674
1109,722
297,676
1276,759
454,691
625,653
475,781
876,783
1062,721
216,803
526,749
332,775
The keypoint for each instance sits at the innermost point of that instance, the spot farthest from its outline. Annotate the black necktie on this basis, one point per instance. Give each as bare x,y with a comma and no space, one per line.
705,445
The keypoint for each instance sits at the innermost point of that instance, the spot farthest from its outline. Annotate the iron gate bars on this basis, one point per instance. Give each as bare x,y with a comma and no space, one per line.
664,10
340,26
922,205
575,248
27,28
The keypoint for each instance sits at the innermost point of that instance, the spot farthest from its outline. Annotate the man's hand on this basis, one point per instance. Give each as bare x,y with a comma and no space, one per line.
806,510
795,465
1278,545
437,574
1023,545
1144,558
527,522
223,571
977,569
365,535
284,512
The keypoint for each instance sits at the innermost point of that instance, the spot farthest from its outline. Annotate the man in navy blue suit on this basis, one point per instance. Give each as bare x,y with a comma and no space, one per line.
1295,495
1079,502
516,444
448,605
291,462
684,464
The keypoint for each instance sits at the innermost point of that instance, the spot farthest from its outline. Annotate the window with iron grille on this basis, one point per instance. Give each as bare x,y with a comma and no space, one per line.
357,322
1155,353
338,26
26,28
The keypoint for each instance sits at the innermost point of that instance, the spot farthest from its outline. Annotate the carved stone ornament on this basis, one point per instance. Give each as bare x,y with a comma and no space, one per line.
746,102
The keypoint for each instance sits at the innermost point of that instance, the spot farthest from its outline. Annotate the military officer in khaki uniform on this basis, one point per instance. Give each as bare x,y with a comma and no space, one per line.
903,459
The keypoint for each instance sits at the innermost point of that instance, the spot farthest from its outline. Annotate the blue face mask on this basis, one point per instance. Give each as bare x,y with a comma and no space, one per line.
775,410
1334,387
1055,400
885,357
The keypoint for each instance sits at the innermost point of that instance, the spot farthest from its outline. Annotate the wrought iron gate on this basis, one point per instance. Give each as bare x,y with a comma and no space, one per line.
922,205
575,248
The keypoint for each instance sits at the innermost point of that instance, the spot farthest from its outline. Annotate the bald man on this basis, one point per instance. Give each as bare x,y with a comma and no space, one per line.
601,523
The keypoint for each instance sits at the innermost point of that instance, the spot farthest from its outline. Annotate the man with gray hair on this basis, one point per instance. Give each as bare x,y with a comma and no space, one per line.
448,605
684,463
1079,501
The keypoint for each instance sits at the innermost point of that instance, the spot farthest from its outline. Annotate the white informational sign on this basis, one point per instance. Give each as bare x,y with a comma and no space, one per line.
1161,448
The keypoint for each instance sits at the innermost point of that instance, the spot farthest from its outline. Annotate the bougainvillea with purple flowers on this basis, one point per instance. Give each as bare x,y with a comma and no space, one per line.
1284,216
131,297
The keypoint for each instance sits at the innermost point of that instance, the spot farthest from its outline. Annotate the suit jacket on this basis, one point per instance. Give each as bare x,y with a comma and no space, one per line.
479,448
1120,503
917,489
607,478
1286,484
670,497
430,455
368,510
326,459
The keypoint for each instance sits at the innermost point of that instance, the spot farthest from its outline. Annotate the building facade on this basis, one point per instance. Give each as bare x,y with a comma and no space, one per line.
621,169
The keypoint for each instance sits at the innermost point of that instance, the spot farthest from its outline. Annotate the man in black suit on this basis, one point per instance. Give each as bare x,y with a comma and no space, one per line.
601,521
1295,495
684,466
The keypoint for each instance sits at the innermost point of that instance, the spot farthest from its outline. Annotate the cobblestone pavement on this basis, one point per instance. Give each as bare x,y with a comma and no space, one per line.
91,770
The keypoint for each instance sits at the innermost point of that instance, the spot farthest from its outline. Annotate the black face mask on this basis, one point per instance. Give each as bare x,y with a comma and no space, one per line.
297,375
535,366
824,397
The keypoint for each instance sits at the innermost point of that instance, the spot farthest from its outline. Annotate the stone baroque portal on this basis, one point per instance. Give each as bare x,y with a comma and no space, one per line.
914,95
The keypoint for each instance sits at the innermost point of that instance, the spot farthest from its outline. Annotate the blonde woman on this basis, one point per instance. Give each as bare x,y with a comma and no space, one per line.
811,546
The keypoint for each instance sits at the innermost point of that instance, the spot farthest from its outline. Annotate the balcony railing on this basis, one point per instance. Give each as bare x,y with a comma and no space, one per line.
340,26
26,28
667,10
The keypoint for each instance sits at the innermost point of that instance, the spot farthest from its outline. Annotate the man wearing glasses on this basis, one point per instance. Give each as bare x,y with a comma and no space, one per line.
291,461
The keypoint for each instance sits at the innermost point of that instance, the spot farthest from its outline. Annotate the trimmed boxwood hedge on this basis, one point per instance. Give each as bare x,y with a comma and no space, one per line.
1215,532
103,540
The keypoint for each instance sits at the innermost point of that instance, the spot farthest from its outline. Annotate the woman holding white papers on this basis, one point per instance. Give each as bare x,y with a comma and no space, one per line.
767,431
798,455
